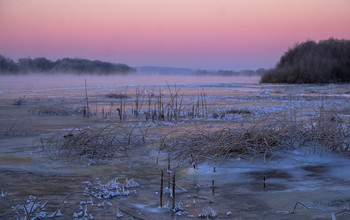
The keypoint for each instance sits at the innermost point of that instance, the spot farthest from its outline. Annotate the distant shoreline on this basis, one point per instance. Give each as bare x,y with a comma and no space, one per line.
65,65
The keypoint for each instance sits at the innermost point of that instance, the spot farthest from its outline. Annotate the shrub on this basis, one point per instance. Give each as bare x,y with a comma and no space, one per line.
327,61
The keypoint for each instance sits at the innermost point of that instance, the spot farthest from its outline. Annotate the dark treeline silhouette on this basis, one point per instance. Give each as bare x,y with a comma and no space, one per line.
327,61
257,72
65,65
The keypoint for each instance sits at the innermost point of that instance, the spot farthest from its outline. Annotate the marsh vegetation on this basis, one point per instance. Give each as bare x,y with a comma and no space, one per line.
238,149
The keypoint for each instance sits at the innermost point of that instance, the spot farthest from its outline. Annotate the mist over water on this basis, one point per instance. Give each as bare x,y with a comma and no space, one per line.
62,81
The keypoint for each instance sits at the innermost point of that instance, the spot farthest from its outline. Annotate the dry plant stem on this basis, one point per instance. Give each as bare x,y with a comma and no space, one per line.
149,108
346,211
161,189
173,192
168,172
30,210
180,107
138,105
122,106
13,125
205,105
137,102
160,105
87,101
197,106
121,110
296,204
180,187
173,109
96,107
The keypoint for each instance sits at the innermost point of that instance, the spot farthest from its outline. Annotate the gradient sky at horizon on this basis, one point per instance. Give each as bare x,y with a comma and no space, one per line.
198,34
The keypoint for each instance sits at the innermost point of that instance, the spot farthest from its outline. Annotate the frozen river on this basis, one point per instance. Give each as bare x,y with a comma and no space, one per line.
315,177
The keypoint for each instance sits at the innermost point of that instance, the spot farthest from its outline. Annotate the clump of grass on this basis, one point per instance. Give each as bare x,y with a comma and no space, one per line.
56,109
94,143
330,131
327,131
199,145
116,96
19,100
237,111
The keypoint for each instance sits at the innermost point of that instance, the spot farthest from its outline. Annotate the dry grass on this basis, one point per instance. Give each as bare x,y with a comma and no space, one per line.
19,100
237,111
330,131
19,127
199,145
94,143
327,131
116,96
56,109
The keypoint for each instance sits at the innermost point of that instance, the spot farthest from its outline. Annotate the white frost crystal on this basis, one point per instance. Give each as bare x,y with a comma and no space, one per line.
78,215
207,212
3,193
59,213
131,183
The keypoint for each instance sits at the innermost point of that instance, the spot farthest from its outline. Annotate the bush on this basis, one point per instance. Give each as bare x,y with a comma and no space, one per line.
327,61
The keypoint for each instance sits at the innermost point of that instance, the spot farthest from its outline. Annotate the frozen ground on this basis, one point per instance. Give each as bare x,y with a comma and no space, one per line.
315,177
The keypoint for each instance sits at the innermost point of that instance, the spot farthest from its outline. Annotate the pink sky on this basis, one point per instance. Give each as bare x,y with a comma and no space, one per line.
206,34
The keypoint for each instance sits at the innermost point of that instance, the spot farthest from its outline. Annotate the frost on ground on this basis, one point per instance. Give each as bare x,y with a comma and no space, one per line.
34,208
113,188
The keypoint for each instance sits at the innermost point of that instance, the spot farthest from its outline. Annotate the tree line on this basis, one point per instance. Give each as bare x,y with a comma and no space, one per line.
258,72
65,65
327,61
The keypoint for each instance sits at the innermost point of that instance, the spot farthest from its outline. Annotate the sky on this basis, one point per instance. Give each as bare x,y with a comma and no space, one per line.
197,34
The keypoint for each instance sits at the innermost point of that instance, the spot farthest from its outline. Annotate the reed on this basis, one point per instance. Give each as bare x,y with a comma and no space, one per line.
173,190
161,189
87,102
